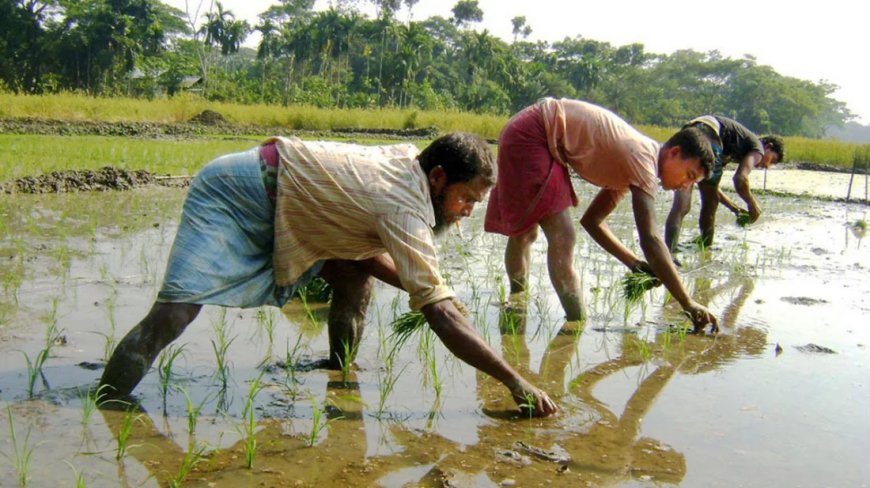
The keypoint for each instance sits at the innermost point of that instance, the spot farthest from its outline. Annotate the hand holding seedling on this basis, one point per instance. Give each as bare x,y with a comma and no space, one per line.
641,279
743,218
533,401
700,317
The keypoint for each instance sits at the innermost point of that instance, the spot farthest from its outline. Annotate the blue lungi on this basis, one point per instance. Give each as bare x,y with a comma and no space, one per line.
222,254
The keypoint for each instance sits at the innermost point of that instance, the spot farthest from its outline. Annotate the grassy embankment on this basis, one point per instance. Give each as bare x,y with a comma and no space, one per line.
25,155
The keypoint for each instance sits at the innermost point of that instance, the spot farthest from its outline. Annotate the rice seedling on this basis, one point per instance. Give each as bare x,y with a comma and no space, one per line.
309,312
346,361
635,283
220,347
319,421
248,427
165,362
91,400
80,477
427,349
22,450
124,431
266,321
109,337
405,326
385,387
743,219
291,364
34,367
193,456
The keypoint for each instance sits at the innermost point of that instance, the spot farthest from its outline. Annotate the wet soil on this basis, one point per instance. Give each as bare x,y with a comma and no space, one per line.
107,178
203,124
763,403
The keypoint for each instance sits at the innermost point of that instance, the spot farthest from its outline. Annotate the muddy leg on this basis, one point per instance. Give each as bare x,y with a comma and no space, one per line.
138,349
517,258
351,294
707,219
681,206
561,239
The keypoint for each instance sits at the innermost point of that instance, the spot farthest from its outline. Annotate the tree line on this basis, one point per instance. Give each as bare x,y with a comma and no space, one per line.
340,57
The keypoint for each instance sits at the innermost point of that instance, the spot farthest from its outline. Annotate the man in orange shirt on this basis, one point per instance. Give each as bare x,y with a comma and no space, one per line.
536,148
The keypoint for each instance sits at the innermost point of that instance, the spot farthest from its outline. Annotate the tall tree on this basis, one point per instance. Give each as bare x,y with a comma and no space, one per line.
24,40
520,27
466,12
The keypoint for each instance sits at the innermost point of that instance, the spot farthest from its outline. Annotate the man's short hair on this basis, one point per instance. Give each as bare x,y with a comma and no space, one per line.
463,156
776,144
693,143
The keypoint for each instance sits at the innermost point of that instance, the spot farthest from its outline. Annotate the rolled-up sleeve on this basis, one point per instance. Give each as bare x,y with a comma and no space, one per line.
409,241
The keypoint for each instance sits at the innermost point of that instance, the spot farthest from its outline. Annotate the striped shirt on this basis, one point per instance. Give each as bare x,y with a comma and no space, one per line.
347,201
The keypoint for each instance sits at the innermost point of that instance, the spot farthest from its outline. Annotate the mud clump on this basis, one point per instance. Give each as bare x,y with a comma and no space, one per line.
815,349
808,301
208,117
107,178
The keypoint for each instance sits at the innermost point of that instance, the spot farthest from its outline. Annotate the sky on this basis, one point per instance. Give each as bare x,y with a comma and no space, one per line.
808,40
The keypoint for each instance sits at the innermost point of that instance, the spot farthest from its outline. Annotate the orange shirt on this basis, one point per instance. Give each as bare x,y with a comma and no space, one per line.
600,146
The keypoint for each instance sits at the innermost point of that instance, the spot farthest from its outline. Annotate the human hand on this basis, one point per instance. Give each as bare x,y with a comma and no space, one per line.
700,317
641,266
532,400
754,212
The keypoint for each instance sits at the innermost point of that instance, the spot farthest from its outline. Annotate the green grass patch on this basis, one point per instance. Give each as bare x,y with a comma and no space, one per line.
184,107
77,107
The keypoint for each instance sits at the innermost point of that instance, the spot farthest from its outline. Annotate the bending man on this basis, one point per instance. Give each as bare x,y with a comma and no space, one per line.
536,149
259,224
731,141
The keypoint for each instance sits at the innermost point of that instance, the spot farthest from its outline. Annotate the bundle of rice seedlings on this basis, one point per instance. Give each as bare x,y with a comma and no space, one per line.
743,219
405,326
635,283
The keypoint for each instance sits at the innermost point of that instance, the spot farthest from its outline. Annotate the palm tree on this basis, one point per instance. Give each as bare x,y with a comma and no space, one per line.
466,12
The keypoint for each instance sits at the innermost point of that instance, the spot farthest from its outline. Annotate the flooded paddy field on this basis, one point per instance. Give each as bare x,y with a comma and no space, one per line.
778,398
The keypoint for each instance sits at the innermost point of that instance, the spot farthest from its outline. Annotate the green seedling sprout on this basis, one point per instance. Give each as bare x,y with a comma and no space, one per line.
266,320
91,400
130,417
193,456
22,454
80,478
164,369
346,361
318,422
249,422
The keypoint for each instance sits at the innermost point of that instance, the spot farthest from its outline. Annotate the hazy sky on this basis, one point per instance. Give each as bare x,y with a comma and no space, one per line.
811,41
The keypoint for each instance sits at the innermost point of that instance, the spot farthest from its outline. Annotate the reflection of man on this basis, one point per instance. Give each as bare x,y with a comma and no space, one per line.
343,440
258,224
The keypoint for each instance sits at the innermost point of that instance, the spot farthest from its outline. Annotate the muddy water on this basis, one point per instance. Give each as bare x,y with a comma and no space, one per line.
778,398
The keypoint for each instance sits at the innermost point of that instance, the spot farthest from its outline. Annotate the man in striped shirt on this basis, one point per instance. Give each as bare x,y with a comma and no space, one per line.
258,225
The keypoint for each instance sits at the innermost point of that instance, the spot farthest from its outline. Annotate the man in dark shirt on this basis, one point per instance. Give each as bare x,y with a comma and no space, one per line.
731,141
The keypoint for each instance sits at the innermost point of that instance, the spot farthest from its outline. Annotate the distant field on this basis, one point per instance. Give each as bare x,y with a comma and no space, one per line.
21,156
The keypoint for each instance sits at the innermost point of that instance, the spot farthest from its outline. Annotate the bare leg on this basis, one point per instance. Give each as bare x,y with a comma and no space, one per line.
681,206
137,350
351,294
517,256
707,220
561,239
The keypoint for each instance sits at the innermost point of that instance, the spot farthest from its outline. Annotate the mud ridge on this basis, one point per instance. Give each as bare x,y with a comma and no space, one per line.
204,124
107,178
